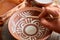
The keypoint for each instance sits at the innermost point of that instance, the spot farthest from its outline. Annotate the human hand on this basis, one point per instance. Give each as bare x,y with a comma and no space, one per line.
51,18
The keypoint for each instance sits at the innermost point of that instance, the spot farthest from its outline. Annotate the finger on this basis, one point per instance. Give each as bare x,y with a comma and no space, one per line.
47,24
58,6
52,11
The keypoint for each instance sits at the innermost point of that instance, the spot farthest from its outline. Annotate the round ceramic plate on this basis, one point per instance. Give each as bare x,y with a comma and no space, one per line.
43,2
25,25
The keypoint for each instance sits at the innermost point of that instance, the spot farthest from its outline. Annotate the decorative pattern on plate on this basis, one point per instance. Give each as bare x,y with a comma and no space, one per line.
29,28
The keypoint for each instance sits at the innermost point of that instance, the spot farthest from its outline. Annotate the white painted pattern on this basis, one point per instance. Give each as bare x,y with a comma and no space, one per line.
23,25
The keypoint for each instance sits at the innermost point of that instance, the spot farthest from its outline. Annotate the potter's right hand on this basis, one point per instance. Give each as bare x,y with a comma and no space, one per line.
54,22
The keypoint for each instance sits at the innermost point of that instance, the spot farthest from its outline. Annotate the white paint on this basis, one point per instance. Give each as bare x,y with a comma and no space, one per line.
14,26
44,1
30,30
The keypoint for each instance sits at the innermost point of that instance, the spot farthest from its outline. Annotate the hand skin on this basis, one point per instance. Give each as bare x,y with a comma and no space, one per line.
52,24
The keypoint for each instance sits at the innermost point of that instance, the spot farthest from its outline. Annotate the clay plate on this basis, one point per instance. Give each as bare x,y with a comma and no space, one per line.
25,24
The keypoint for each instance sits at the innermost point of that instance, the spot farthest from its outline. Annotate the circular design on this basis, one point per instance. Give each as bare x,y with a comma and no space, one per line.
44,1
30,29
24,27
26,23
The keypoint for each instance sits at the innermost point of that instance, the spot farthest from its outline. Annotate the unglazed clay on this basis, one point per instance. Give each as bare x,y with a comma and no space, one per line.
15,1
25,23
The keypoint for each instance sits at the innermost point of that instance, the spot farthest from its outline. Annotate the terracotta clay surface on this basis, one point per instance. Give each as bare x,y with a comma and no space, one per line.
25,24
4,7
15,1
